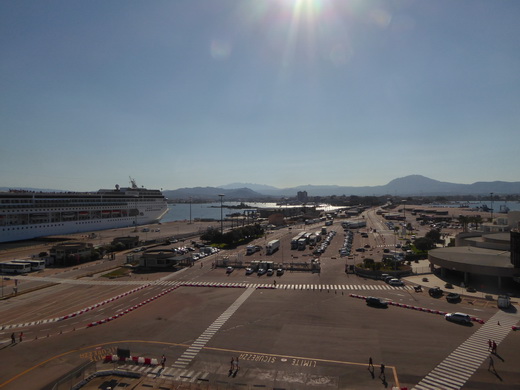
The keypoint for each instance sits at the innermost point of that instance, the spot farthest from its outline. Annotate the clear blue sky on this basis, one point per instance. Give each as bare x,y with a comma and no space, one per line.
281,92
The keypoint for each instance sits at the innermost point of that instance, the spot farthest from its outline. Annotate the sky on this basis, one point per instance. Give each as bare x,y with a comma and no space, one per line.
188,93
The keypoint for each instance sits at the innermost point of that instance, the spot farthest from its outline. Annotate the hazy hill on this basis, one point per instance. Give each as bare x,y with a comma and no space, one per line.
412,185
405,186
212,193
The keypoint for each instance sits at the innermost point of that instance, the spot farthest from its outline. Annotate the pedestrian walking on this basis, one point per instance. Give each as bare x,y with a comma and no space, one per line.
13,338
231,366
201,264
163,361
370,363
494,348
491,363
21,337
490,345
382,373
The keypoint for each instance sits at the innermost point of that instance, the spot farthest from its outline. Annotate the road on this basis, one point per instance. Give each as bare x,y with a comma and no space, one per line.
307,332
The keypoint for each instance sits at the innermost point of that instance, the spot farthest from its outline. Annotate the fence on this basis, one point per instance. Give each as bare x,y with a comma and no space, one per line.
75,376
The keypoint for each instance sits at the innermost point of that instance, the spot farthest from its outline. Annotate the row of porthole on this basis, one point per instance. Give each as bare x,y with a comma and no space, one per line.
80,223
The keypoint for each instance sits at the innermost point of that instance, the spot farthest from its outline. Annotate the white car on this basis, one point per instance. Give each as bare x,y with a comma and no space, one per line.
461,318
249,271
395,282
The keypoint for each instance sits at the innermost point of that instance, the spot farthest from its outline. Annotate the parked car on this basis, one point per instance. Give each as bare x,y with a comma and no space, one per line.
376,302
453,297
249,271
279,272
460,318
448,285
270,272
471,289
435,292
395,282
261,271
229,270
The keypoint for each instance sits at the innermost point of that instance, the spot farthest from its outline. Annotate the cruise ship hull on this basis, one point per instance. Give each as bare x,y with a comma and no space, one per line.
26,215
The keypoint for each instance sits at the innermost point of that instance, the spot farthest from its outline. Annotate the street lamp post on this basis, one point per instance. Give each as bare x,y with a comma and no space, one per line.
491,207
221,218
190,210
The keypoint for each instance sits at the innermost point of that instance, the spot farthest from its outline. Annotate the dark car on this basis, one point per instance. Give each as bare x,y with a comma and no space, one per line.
453,297
435,292
376,302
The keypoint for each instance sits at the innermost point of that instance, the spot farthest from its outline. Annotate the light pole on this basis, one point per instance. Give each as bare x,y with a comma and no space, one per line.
221,219
491,207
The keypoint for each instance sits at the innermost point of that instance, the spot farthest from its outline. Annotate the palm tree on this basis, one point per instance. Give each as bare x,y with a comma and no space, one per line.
477,219
464,220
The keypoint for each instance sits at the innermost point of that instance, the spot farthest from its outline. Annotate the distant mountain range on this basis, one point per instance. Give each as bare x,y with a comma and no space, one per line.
413,185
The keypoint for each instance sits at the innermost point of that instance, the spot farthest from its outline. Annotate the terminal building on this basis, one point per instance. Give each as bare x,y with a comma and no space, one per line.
490,254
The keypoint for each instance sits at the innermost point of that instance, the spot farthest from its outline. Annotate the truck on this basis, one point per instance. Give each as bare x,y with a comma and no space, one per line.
252,249
272,246
503,302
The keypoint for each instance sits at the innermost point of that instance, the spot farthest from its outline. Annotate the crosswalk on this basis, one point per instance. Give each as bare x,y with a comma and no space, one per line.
459,366
172,373
201,341
282,286
301,287
278,286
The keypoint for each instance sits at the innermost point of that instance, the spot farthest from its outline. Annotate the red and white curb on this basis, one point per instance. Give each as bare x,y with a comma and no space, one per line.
130,309
426,310
79,312
135,359
75,314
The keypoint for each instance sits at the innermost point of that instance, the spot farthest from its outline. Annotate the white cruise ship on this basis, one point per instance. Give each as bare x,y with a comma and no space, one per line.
27,214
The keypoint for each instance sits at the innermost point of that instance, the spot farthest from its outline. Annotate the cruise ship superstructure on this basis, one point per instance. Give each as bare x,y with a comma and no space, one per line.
27,214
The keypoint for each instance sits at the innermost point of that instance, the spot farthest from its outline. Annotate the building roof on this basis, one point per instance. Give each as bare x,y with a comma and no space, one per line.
474,260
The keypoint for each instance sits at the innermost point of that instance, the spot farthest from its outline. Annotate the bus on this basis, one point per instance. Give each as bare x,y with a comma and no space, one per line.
294,241
302,243
36,264
11,267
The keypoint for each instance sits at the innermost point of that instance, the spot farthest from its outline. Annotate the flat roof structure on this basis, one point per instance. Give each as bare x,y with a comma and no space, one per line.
474,260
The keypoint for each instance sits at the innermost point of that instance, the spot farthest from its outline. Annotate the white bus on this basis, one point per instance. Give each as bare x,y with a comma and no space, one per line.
15,268
294,241
36,264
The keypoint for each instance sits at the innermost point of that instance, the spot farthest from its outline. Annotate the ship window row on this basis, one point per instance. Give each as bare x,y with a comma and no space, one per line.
57,224
73,204
61,209
32,227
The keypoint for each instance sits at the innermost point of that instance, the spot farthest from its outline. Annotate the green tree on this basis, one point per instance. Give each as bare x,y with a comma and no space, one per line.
434,235
368,263
424,244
